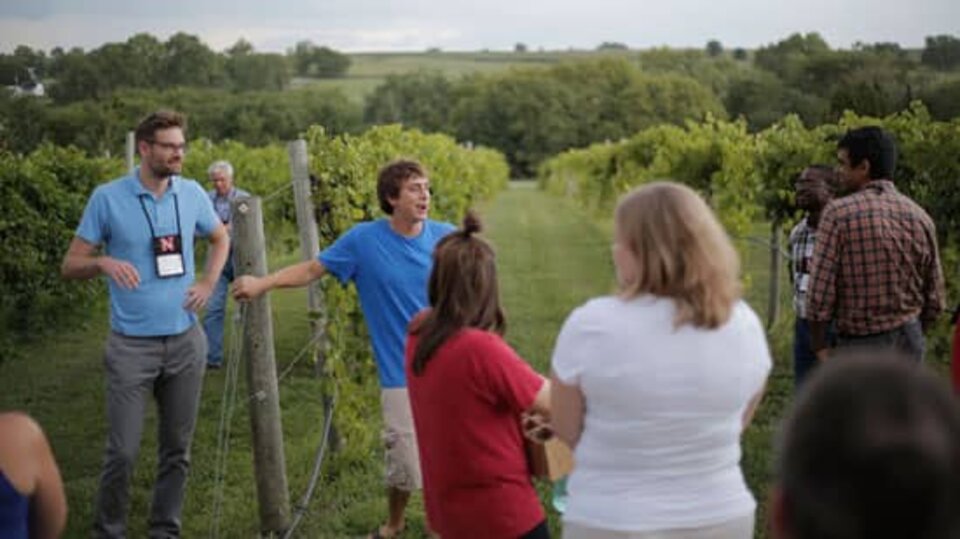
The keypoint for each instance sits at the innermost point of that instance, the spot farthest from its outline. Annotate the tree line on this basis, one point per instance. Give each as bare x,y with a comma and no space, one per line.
527,113
802,74
183,60
530,114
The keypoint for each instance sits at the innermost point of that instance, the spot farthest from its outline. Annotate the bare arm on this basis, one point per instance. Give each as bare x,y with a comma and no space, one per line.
28,463
541,403
567,407
536,419
49,513
751,409
217,255
83,261
297,275
199,293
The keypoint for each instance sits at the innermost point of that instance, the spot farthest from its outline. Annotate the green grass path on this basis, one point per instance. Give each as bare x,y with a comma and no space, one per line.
551,259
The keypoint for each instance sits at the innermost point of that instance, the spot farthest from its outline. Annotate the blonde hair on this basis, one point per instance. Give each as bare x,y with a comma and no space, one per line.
680,251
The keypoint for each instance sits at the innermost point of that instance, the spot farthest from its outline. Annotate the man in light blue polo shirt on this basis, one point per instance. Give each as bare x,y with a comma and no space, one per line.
145,224
222,194
389,261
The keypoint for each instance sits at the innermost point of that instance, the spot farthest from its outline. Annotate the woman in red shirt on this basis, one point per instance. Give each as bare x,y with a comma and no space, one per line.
468,390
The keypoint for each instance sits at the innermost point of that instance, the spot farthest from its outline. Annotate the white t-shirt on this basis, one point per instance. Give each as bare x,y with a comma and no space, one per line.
660,447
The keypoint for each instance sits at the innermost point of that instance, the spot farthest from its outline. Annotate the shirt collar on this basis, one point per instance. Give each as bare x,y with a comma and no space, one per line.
881,185
140,190
231,194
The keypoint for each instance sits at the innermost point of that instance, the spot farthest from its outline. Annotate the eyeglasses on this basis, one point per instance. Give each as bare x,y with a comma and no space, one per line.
417,188
170,145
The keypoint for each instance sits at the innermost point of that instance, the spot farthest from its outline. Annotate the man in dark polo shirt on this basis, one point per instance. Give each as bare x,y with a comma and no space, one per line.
876,269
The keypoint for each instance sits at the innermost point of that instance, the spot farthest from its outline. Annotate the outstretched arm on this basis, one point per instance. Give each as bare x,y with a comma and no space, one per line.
301,274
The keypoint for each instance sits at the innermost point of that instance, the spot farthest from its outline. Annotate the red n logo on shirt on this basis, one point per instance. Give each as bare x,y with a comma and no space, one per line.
167,245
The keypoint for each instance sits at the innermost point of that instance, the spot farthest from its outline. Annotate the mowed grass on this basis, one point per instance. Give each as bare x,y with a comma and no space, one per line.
551,258
369,70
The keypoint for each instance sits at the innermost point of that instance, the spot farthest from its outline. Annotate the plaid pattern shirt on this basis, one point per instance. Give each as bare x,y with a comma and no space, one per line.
802,239
875,264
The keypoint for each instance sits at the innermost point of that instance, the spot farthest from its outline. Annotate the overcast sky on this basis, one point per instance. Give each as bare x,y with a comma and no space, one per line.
414,25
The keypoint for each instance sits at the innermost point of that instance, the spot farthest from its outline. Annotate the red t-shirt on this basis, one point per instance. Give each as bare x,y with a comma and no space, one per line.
466,409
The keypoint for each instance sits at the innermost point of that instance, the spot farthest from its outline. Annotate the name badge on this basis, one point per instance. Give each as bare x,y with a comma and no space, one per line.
168,254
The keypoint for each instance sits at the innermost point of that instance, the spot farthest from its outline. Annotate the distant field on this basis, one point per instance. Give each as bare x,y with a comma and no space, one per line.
369,70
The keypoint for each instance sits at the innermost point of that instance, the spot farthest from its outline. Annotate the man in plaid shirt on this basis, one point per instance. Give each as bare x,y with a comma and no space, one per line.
876,269
814,189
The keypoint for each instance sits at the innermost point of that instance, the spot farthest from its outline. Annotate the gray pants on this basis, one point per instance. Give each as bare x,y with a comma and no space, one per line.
906,339
171,368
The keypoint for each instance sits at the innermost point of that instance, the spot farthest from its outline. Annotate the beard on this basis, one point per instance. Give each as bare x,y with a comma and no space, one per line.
162,169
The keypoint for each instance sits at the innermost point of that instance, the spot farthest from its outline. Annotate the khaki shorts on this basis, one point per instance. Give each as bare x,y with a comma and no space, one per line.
399,441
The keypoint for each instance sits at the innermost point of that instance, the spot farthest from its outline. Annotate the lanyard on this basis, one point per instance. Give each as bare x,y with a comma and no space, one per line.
176,209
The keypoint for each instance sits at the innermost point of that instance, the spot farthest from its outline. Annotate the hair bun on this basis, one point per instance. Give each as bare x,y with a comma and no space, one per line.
471,223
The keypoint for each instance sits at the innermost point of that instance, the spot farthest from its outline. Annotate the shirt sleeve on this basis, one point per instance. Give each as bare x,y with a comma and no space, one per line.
794,237
508,378
340,259
567,361
934,296
822,294
207,220
93,227
792,240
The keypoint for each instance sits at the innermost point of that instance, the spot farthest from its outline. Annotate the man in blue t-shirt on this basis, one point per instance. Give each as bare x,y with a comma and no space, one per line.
389,261
139,231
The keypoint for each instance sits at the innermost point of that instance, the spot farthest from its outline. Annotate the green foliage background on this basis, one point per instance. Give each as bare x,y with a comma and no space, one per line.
42,196
748,177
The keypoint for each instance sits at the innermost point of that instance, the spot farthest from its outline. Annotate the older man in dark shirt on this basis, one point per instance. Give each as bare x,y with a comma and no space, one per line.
876,269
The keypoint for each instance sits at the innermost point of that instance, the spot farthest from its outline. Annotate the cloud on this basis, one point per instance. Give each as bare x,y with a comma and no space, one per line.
17,9
391,25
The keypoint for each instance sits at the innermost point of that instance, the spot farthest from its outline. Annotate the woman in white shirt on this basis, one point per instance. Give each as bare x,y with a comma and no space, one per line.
653,386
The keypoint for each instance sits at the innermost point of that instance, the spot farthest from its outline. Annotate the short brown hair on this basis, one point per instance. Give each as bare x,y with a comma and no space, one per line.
463,292
681,252
159,120
391,178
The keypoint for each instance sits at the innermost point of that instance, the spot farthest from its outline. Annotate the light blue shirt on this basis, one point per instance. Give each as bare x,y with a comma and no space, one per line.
391,273
115,219
221,205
